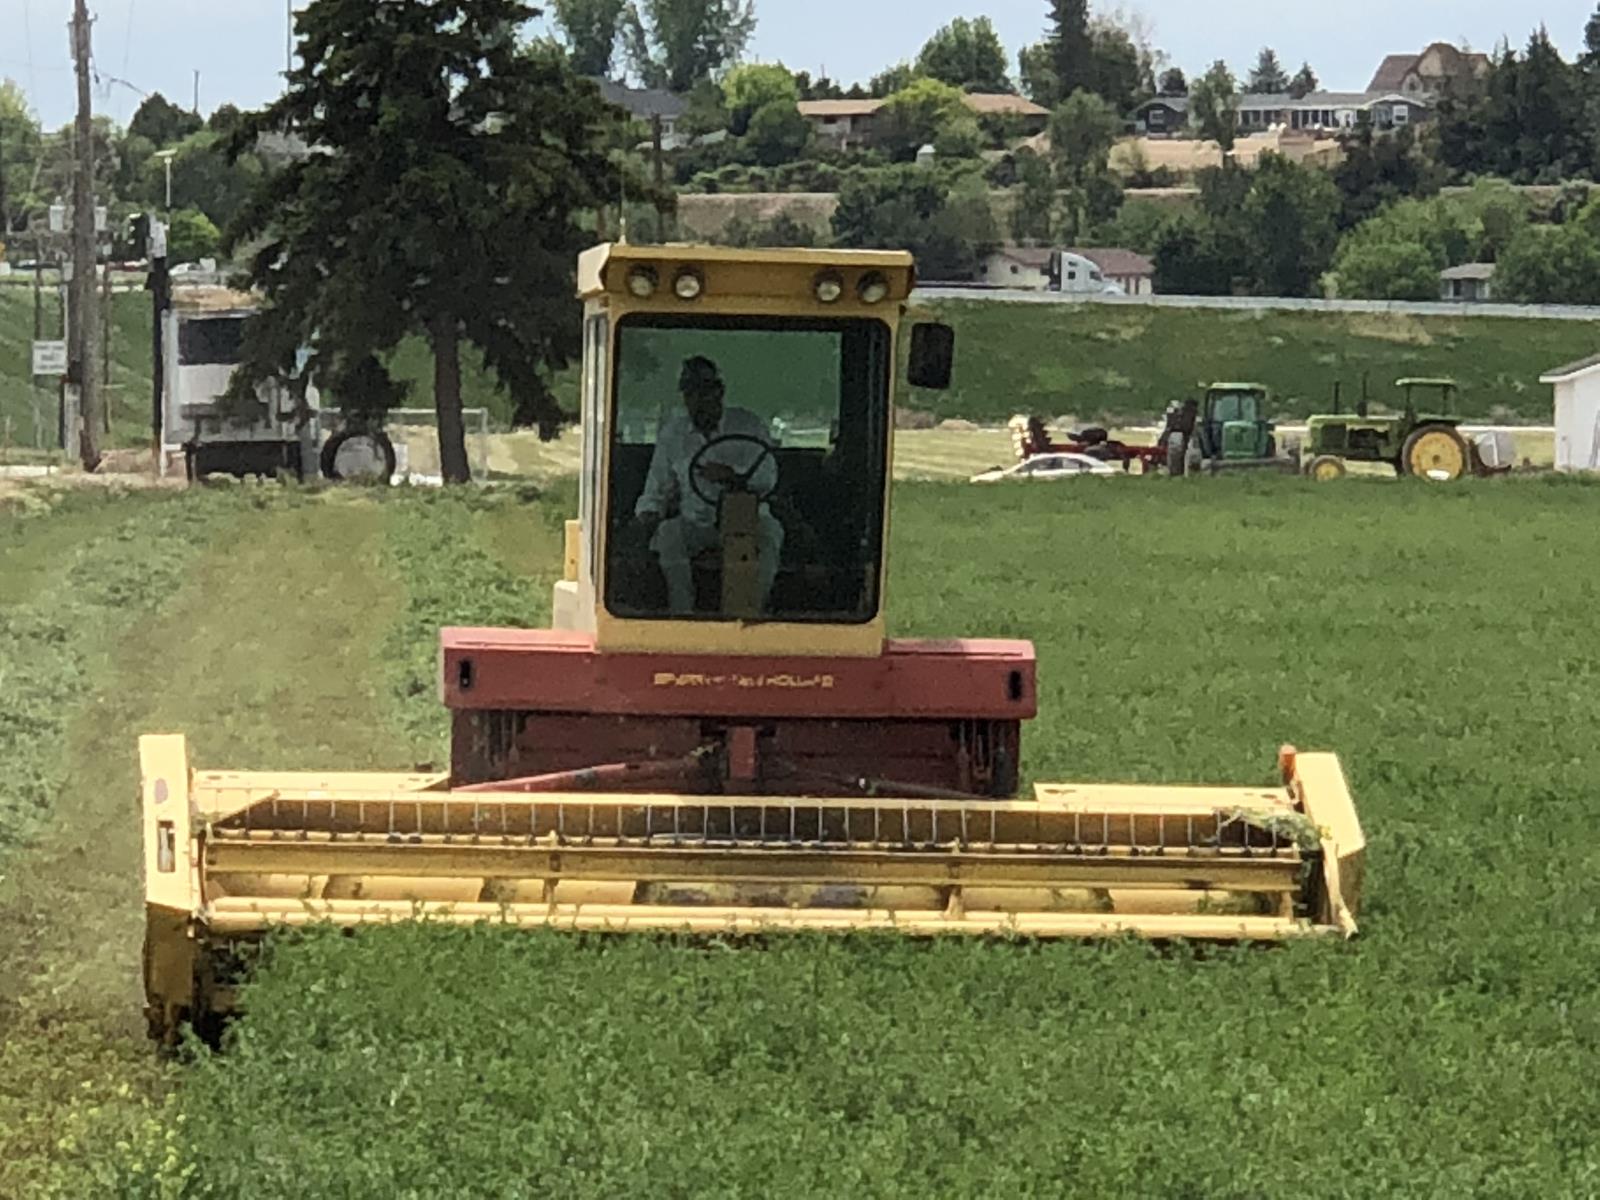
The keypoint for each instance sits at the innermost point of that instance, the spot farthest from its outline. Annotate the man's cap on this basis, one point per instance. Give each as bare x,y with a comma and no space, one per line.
699,375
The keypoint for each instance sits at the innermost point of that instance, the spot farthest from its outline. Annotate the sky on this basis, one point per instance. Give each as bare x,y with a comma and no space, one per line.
238,46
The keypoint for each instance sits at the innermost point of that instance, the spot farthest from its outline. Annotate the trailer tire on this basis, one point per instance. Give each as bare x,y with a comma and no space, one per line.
382,447
1177,455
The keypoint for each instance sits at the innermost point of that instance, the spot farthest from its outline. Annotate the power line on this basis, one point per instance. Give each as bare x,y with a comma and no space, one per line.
27,39
127,48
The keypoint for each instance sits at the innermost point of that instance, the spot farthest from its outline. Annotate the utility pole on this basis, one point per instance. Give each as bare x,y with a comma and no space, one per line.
5,211
160,288
107,315
84,329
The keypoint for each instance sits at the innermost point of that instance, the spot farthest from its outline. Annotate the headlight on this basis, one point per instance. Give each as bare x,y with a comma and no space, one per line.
873,288
829,287
643,281
689,284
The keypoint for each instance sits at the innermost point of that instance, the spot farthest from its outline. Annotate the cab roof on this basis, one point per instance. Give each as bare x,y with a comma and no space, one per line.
899,265
1438,383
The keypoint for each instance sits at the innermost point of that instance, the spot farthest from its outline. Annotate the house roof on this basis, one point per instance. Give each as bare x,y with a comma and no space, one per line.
1114,263
985,103
1175,103
839,108
1479,271
1584,366
1117,263
1392,72
643,102
1281,102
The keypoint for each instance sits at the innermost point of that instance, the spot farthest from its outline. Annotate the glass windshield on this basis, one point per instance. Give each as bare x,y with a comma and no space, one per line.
747,469
1237,406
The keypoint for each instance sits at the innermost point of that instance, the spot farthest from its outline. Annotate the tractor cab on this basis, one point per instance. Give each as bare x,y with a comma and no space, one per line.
1235,426
1437,401
1226,430
737,416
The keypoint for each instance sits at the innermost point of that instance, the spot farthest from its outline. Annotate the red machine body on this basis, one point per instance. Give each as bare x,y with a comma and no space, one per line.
542,710
1095,443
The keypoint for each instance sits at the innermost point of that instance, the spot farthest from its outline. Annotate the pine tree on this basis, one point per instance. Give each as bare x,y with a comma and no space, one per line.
1304,82
1071,45
461,223
1268,78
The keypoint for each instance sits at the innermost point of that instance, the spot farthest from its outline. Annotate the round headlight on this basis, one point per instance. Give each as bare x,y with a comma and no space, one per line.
873,288
829,287
643,281
689,284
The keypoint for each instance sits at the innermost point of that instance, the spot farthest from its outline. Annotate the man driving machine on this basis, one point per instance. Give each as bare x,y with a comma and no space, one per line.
702,454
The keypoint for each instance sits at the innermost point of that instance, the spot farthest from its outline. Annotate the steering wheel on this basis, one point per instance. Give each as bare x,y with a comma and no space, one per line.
741,481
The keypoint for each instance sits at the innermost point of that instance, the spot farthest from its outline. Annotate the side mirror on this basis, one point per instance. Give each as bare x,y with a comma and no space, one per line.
933,354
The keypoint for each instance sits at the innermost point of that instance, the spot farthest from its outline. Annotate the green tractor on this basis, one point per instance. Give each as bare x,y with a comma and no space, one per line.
1424,440
1226,431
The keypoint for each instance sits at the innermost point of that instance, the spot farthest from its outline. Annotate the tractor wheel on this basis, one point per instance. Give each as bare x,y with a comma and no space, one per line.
1177,458
359,456
1435,452
1326,467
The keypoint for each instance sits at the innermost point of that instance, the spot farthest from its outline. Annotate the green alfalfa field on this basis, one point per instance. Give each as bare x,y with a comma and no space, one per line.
1441,639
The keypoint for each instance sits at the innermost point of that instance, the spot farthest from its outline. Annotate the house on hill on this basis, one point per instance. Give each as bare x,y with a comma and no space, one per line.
1168,116
845,123
646,104
1429,73
849,123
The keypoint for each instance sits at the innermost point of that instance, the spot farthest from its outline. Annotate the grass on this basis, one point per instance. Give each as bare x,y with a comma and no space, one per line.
1127,364
129,397
243,619
1439,638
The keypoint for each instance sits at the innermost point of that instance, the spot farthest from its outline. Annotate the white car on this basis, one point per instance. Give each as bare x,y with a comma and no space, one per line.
1048,466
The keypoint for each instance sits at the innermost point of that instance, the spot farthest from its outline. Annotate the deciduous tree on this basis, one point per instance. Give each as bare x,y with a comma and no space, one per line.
591,28
162,121
1292,214
1214,101
943,216
675,43
751,88
966,54
917,114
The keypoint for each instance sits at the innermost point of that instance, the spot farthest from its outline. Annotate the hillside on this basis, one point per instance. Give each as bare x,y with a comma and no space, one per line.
1126,364
130,367
1094,363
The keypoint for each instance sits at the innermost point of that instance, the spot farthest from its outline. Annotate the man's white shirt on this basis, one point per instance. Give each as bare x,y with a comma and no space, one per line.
676,446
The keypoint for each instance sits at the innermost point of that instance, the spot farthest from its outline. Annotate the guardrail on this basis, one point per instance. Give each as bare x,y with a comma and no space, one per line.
1266,304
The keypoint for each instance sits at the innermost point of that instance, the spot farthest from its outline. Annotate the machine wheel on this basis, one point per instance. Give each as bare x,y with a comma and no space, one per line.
1326,467
1435,452
359,456
1177,459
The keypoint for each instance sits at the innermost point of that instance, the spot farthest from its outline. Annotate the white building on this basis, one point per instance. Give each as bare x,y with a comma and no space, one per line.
1577,414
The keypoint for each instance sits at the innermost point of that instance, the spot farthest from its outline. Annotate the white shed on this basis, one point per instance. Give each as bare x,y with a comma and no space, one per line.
1577,414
